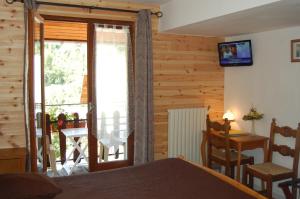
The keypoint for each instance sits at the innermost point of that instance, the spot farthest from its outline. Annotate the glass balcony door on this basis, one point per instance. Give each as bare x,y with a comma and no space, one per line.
109,97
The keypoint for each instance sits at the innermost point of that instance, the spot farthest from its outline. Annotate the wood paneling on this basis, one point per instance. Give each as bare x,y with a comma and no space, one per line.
12,160
186,75
186,71
12,125
11,77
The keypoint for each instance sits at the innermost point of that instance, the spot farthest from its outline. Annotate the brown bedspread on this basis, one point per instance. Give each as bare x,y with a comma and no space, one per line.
163,179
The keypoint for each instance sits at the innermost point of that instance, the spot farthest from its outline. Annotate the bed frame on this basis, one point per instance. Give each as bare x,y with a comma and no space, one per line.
228,180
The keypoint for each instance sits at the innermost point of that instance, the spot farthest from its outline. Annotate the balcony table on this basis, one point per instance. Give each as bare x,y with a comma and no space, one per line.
70,134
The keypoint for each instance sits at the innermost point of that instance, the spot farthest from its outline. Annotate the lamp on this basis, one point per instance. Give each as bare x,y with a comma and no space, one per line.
229,115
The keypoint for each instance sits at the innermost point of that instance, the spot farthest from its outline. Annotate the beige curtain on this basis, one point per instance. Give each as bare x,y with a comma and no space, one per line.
28,5
143,137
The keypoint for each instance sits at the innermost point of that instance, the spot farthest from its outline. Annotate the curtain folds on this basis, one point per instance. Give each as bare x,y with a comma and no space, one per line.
112,59
143,137
28,5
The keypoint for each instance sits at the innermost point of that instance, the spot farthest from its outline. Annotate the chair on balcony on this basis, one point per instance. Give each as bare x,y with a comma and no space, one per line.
61,124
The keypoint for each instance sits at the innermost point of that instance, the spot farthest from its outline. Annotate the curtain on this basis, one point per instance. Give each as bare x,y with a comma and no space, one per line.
28,5
113,67
143,136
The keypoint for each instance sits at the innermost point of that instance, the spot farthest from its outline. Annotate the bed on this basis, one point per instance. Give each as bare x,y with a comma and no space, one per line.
165,179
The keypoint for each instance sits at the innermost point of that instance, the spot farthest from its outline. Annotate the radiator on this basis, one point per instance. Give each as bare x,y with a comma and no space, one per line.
185,132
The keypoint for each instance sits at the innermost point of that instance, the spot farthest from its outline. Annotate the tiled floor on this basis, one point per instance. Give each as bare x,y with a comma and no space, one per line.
81,168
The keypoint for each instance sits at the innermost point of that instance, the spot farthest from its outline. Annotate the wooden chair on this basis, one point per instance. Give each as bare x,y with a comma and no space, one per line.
219,147
51,156
271,172
61,124
285,186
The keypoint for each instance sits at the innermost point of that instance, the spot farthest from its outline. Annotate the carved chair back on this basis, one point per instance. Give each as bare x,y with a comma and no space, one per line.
218,137
285,150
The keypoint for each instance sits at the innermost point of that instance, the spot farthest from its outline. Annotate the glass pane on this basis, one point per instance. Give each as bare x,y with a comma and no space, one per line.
66,103
111,92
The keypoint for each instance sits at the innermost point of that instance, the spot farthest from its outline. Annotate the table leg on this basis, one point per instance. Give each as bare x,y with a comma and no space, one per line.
265,160
65,165
81,152
125,150
238,166
106,150
100,152
72,151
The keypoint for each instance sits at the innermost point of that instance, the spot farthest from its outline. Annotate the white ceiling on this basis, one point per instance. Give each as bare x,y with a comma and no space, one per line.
278,15
147,1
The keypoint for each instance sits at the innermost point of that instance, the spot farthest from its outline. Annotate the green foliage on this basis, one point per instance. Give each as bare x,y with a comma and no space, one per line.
65,67
253,115
53,111
55,144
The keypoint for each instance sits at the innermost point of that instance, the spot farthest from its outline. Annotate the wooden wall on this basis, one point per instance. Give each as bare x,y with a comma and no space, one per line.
186,75
12,133
185,69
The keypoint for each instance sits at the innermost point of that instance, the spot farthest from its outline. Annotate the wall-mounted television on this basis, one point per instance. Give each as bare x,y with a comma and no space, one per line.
235,53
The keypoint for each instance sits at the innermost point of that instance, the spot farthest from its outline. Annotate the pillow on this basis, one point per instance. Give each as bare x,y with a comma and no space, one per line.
27,186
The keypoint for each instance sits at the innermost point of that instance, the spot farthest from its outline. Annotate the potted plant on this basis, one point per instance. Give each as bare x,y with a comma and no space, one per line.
252,116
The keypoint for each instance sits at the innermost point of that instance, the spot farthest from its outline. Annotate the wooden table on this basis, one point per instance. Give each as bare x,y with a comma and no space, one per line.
242,142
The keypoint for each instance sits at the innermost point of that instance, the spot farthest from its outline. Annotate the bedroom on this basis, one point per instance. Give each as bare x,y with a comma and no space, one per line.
186,71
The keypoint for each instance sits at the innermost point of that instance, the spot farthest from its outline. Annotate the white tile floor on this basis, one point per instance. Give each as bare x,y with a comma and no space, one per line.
82,167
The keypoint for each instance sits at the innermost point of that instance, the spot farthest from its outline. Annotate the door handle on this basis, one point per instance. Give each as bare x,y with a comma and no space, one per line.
91,107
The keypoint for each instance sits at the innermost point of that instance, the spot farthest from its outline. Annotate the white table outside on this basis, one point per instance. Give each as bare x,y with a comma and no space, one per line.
107,142
70,134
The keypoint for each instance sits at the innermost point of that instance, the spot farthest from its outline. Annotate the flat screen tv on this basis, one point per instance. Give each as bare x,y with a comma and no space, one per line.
235,53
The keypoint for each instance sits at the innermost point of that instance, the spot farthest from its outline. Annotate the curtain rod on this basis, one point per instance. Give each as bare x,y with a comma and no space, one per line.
159,14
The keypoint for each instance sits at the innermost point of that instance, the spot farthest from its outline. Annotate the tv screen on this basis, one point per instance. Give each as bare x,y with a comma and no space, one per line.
235,53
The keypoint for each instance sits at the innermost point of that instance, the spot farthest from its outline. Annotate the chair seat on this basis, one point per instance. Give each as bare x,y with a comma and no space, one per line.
233,155
269,168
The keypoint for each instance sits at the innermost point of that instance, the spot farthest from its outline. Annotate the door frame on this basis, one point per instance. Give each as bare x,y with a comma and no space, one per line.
92,141
33,18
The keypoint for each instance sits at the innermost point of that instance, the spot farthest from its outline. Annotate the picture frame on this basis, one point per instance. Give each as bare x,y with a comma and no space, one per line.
295,50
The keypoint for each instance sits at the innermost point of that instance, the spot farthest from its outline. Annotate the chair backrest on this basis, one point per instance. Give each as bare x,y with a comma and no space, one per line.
215,140
76,120
61,121
285,150
220,142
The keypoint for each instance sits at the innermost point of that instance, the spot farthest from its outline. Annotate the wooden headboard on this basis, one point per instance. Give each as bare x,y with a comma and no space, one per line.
12,160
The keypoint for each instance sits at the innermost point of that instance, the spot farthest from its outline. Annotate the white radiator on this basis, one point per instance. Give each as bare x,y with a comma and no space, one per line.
185,132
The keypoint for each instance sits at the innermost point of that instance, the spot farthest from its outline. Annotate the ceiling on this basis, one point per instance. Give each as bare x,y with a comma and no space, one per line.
160,2
269,17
